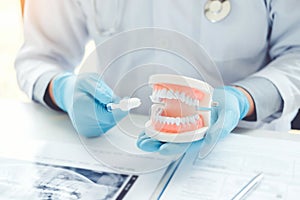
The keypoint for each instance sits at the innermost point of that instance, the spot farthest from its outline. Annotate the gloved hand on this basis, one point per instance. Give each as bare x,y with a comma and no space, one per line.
233,105
84,98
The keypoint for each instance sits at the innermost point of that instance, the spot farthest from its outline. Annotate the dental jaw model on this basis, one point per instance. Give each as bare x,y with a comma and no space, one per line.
181,108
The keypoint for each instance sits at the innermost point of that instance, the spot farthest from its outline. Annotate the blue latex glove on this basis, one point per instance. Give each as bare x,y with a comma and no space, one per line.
84,98
233,105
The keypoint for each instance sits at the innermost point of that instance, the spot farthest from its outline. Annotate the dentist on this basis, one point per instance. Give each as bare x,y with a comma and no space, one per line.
255,45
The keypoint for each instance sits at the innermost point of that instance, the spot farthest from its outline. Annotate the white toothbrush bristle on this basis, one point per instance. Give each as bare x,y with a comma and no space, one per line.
128,104
133,103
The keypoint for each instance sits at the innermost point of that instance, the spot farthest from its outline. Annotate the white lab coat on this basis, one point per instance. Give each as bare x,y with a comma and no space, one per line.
56,33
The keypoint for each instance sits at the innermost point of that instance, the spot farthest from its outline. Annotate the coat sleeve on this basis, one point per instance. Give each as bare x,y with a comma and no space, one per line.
283,70
55,35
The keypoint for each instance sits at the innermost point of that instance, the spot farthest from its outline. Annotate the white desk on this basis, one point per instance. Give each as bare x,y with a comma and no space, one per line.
29,121
24,126
24,121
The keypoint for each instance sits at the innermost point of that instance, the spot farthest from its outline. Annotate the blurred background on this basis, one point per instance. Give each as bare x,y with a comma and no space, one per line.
11,39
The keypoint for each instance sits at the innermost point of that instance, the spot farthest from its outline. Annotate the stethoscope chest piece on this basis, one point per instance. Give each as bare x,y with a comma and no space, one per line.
216,10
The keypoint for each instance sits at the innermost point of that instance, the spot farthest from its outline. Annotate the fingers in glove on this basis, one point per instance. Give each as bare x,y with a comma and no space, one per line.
173,148
148,144
225,123
93,85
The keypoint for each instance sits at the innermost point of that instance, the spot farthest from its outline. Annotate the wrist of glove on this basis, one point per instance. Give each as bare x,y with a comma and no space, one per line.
63,89
233,105
84,98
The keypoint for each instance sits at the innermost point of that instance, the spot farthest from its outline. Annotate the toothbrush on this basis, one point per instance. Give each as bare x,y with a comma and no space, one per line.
124,104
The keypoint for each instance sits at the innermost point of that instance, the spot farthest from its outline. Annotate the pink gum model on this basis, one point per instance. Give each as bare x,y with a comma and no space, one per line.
174,114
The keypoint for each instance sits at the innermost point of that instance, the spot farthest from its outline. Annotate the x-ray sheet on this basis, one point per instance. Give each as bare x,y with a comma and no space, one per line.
232,164
27,180
39,170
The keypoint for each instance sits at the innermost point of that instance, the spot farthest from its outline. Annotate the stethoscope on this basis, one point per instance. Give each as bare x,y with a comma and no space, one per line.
214,11
217,10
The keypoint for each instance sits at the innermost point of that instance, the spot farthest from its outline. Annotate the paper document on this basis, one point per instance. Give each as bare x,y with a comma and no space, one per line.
51,170
234,161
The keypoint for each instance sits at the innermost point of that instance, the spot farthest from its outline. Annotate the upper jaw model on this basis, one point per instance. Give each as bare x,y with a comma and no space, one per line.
180,110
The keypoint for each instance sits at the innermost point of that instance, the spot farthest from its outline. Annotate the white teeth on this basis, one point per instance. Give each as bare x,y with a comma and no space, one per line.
182,97
167,120
183,120
170,95
192,102
189,101
192,120
187,120
157,95
197,103
172,120
177,121
160,119
163,93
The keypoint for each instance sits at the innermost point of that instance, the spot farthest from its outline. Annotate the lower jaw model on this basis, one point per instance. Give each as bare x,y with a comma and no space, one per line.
181,108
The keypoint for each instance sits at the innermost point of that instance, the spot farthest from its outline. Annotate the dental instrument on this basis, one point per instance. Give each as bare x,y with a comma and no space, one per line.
249,187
